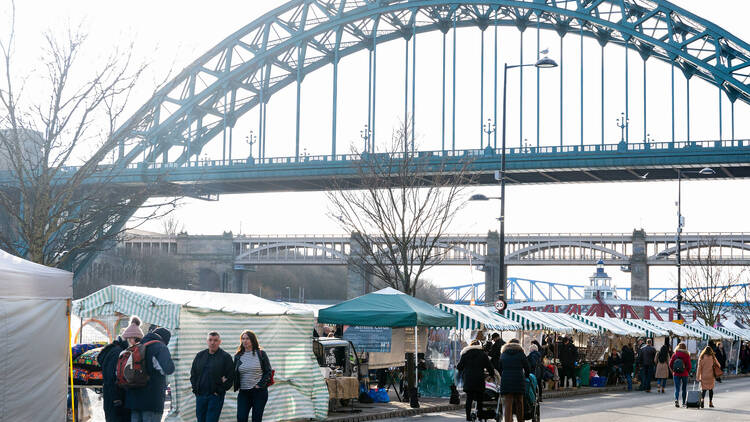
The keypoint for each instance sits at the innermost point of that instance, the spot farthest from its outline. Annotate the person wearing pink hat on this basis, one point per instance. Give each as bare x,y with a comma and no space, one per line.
133,333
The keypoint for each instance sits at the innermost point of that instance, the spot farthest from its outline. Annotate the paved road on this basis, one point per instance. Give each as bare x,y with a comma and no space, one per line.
731,398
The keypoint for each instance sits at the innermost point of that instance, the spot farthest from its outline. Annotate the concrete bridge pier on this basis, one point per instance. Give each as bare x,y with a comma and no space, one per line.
639,282
358,279
492,268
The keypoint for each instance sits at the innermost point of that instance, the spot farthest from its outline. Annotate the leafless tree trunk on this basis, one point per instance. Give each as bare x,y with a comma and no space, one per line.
56,130
402,206
172,226
710,288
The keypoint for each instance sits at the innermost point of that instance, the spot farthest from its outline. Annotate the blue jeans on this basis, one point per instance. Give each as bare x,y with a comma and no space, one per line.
208,407
254,399
629,379
680,382
145,416
661,382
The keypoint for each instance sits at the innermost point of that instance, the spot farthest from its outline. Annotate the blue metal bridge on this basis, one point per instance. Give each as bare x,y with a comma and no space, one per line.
183,137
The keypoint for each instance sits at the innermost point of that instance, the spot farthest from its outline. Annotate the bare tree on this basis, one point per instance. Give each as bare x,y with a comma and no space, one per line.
711,288
172,226
57,128
399,209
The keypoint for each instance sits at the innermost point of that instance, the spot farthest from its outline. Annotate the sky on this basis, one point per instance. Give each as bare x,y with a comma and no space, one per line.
169,35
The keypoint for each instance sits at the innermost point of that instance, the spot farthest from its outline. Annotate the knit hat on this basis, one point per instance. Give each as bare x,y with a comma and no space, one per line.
134,329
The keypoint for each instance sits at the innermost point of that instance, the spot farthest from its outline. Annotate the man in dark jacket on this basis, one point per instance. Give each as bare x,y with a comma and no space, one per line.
497,345
648,354
628,359
513,369
211,375
568,358
472,365
113,397
146,404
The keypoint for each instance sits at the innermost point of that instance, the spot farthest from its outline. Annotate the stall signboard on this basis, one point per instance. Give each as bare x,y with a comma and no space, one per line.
369,339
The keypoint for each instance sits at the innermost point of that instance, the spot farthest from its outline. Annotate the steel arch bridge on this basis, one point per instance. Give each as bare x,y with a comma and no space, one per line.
203,103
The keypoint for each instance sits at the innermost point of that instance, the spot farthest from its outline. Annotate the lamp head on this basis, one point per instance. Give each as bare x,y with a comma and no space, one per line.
707,171
478,197
545,63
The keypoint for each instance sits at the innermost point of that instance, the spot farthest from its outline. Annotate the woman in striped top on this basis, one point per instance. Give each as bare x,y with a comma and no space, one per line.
252,375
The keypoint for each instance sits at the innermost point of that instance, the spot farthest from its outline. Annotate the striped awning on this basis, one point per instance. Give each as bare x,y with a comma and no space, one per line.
674,328
649,329
479,317
547,321
708,333
611,325
737,333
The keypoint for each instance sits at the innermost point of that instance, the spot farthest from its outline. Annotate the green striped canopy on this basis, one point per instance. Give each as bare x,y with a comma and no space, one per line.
674,328
708,333
737,333
299,392
611,325
547,321
649,329
479,317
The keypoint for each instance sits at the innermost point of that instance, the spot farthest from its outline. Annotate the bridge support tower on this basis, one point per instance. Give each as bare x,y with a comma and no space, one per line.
492,268
358,279
639,282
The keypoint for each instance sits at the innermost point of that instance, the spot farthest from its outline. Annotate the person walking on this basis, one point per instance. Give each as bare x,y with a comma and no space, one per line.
211,375
662,368
472,365
146,404
680,366
514,368
497,345
648,356
113,397
628,360
745,358
252,373
708,370
536,366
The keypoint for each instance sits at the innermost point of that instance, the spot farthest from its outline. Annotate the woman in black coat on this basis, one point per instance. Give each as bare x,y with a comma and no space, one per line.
113,397
472,366
514,368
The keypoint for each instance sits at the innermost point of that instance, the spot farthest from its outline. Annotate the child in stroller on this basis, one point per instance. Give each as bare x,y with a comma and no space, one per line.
492,404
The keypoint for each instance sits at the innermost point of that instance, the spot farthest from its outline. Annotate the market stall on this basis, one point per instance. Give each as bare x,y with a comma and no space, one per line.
298,392
34,306
389,308
651,330
479,318
738,336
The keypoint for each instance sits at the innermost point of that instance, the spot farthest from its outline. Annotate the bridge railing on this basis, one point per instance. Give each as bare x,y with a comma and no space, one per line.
542,150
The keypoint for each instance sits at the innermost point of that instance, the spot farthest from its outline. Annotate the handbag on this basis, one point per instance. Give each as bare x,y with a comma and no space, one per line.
271,381
717,371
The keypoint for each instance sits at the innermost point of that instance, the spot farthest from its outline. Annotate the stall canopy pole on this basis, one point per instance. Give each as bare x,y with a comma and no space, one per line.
737,363
416,360
70,363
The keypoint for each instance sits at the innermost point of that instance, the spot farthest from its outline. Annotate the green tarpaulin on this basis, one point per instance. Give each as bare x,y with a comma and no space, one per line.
386,308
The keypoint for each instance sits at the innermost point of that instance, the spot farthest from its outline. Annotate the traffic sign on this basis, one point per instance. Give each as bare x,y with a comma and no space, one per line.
500,305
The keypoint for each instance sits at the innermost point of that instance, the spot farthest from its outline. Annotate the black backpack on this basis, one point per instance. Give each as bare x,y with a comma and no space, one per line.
678,365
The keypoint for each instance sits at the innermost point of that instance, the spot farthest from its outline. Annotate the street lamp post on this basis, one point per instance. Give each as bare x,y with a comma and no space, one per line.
707,171
489,128
365,135
622,123
252,139
543,63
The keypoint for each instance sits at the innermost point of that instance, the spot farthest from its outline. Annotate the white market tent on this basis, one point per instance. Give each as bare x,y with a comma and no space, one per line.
650,329
34,372
479,317
299,392
612,325
736,332
547,321
674,328
708,333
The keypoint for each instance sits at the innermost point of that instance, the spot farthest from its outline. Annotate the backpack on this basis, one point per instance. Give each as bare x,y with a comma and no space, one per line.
131,366
678,365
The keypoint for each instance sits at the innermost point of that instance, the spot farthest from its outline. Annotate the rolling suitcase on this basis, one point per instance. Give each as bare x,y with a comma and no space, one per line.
694,397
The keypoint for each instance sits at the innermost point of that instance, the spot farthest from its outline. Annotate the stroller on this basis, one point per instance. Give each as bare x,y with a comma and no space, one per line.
531,410
491,406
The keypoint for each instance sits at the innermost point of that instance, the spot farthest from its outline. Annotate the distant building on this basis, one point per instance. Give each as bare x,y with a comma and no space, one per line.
600,283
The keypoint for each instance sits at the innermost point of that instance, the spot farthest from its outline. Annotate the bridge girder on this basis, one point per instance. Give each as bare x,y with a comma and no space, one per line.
302,36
